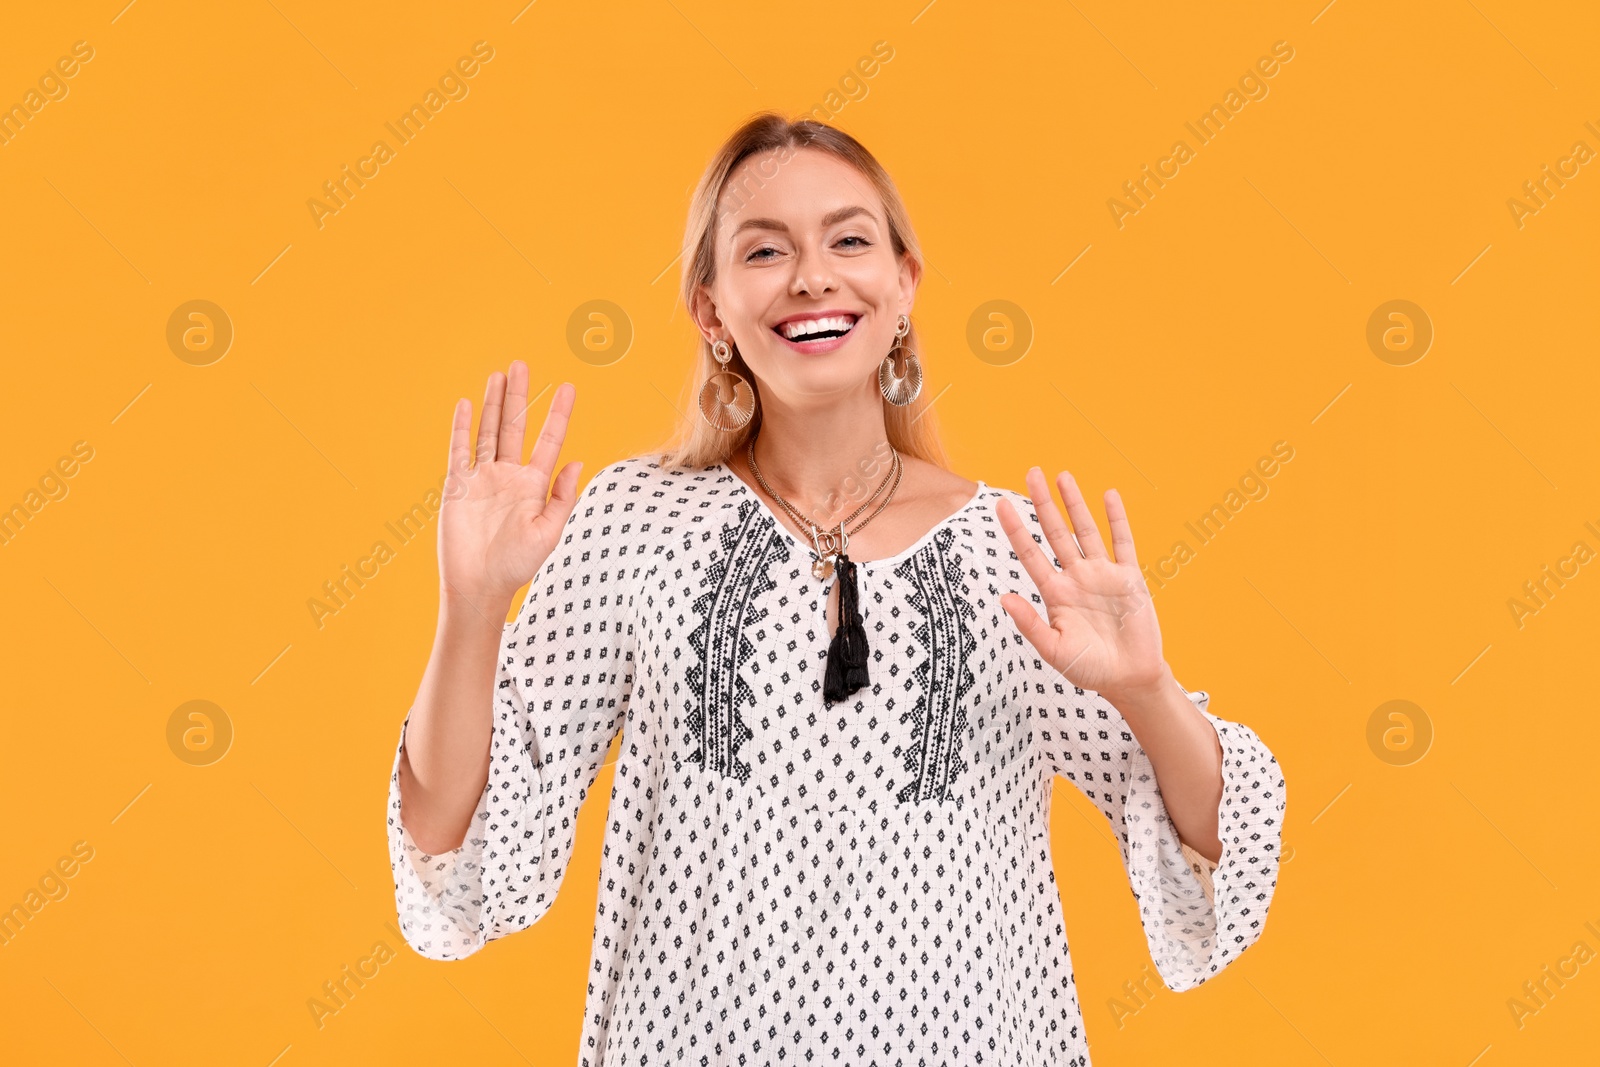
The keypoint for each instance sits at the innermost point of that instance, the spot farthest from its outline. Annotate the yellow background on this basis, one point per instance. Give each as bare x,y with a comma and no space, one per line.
1228,314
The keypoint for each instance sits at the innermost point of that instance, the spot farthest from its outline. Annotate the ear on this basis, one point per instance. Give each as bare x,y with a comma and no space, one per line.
703,310
910,278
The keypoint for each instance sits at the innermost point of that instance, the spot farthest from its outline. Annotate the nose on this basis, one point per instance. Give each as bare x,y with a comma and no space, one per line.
811,274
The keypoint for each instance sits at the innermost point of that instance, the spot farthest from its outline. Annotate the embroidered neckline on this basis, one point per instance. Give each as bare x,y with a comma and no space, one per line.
740,485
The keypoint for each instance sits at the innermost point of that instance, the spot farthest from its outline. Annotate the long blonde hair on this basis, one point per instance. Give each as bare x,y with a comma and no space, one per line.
910,429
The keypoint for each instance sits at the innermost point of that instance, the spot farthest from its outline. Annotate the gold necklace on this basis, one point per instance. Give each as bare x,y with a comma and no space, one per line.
846,669
826,543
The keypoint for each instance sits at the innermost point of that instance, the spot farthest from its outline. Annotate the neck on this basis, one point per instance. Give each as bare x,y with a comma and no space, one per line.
824,460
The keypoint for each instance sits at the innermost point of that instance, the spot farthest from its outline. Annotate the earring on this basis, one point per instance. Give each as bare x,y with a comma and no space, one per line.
900,389
726,400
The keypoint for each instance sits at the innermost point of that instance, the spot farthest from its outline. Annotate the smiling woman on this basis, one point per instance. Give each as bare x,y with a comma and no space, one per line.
828,832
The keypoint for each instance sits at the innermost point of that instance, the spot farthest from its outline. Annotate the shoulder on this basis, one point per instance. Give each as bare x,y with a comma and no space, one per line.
1019,500
621,479
643,475
647,496
1023,503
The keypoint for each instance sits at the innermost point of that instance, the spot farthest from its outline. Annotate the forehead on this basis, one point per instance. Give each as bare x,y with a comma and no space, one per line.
796,186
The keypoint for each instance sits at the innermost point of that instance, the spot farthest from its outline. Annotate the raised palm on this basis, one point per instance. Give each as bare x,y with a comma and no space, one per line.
497,526
1102,632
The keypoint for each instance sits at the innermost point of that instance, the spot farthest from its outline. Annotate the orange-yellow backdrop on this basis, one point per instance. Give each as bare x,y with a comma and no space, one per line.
1434,862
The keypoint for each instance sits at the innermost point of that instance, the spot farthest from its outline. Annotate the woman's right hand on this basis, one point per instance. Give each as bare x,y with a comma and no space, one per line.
496,527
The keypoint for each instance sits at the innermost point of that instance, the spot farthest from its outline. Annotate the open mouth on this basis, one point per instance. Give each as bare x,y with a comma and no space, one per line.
822,328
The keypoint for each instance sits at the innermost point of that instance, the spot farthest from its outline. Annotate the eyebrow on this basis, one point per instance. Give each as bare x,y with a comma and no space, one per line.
837,215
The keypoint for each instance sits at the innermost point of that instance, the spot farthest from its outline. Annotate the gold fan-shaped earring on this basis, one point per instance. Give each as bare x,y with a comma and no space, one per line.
900,389
726,400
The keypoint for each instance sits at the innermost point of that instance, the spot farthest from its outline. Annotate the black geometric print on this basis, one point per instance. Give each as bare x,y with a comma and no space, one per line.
943,678
728,610
867,883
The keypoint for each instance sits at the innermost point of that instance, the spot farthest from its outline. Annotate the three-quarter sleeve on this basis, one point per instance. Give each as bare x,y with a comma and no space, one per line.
1197,916
562,689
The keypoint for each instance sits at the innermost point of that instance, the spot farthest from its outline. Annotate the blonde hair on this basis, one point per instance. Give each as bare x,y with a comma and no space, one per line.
910,429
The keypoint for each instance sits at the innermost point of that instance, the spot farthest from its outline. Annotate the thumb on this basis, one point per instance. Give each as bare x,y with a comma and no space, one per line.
1040,634
564,493
553,513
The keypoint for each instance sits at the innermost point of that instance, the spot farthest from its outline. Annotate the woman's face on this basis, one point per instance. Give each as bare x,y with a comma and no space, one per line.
803,253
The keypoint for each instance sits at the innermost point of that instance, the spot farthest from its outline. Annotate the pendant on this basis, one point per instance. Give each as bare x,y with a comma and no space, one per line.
826,546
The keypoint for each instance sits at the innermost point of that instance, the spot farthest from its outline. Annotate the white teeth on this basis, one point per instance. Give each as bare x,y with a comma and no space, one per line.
805,327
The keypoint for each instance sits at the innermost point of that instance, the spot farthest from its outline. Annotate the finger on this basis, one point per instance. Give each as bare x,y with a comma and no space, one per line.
459,461
1083,526
564,495
1040,569
553,432
1054,526
494,399
1121,532
1035,630
514,418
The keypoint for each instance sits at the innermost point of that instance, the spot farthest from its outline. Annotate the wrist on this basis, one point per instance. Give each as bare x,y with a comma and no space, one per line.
1150,693
472,609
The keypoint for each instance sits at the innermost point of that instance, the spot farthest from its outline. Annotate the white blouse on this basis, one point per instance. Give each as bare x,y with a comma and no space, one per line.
785,881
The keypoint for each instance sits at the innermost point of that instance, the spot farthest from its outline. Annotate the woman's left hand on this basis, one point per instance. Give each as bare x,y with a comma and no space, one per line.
1102,632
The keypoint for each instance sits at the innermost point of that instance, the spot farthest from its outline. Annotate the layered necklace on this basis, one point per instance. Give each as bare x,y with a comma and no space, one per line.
847,653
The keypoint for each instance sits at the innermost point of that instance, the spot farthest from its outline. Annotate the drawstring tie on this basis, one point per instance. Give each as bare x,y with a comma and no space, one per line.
847,654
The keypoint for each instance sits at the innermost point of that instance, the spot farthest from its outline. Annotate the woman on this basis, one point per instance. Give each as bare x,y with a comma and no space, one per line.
841,711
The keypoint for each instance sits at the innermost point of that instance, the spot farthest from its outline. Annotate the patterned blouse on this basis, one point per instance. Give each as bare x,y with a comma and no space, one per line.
784,881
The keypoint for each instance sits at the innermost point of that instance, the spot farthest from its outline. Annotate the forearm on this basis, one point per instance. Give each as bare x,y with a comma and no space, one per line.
1187,757
445,763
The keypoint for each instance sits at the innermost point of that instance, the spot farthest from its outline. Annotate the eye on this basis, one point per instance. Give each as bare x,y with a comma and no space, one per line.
864,243
756,254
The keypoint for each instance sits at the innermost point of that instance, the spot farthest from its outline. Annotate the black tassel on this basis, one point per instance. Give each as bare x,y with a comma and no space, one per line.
847,655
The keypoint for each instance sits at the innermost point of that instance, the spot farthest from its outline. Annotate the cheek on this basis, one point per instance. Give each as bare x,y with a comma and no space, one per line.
877,341
871,279
744,295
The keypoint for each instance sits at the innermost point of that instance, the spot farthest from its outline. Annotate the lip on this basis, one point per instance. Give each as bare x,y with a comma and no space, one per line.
826,344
